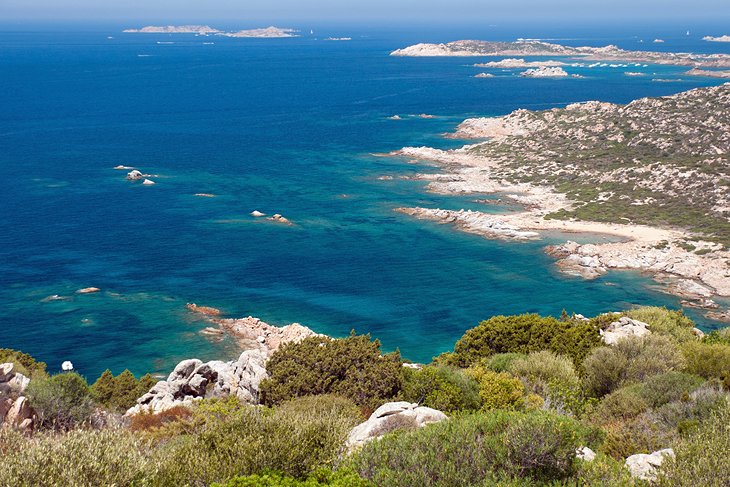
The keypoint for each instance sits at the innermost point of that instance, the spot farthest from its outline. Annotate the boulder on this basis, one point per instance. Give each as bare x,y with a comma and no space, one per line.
7,371
184,369
18,413
193,380
586,454
643,466
390,417
625,327
257,213
148,182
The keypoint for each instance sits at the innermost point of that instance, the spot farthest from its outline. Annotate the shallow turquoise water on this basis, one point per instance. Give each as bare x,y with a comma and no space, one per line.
283,125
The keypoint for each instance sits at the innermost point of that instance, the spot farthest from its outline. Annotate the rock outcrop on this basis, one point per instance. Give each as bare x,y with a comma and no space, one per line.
193,380
390,417
625,327
15,411
643,466
253,334
12,383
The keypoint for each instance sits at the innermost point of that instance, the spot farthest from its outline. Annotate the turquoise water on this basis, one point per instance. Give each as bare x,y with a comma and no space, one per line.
283,126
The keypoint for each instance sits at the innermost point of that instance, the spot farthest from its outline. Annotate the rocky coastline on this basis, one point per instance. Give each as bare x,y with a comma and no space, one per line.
691,265
476,48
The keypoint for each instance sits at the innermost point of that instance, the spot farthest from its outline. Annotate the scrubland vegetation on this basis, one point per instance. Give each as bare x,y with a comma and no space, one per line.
522,393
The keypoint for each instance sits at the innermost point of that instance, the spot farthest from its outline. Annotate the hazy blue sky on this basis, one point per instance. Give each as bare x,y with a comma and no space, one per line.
391,10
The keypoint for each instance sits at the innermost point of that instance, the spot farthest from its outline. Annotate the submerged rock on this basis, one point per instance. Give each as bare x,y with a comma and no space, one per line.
390,417
88,290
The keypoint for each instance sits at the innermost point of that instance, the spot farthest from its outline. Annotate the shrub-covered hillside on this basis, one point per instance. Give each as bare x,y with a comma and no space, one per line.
530,401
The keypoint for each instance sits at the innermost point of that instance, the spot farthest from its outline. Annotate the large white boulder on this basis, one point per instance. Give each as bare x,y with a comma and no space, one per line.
643,466
390,417
624,327
193,380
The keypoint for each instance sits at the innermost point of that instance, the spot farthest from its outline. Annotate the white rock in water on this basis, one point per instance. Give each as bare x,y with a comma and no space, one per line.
134,175
67,366
148,182
545,72
643,466
257,213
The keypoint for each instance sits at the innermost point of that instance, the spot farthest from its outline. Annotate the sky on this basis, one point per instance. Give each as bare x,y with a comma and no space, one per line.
363,10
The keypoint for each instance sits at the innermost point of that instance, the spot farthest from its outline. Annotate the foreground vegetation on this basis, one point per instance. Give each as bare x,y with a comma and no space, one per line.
523,394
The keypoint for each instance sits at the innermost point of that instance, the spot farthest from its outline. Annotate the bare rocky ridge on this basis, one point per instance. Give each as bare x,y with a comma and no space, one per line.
536,48
655,172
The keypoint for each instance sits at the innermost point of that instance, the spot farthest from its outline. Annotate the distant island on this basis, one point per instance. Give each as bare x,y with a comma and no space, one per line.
472,48
206,30
653,172
725,38
266,32
174,29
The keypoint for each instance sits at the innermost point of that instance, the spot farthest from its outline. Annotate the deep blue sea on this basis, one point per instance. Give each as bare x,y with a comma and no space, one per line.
282,126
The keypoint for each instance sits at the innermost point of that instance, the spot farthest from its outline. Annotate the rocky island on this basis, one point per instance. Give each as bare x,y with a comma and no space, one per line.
174,29
473,48
725,38
654,172
266,32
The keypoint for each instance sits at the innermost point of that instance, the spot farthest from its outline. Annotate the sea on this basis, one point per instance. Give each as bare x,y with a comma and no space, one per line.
291,126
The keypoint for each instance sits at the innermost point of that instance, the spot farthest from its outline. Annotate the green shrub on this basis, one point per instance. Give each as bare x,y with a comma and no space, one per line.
630,360
604,471
351,367
693,408
121,392
498,390
524,334
721,336
703,458
708,360
62,401
321,477
641,434
78,458
501,362
543,367
444,388
24,363
295,439
476,449
665,322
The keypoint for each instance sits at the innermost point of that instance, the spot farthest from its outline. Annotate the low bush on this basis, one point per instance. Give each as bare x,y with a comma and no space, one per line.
121,392
708,360
477,449
524,334
721,336
662,321
24,363
78,458
350,367
62,401
603,471
498,390
444,388
295,439
703,458
540,368
146,421
501,362
641,434
321,477
630,360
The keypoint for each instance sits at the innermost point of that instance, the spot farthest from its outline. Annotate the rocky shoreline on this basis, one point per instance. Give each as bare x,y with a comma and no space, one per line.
696,272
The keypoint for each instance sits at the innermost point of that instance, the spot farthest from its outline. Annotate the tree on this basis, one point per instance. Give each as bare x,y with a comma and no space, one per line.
62,401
